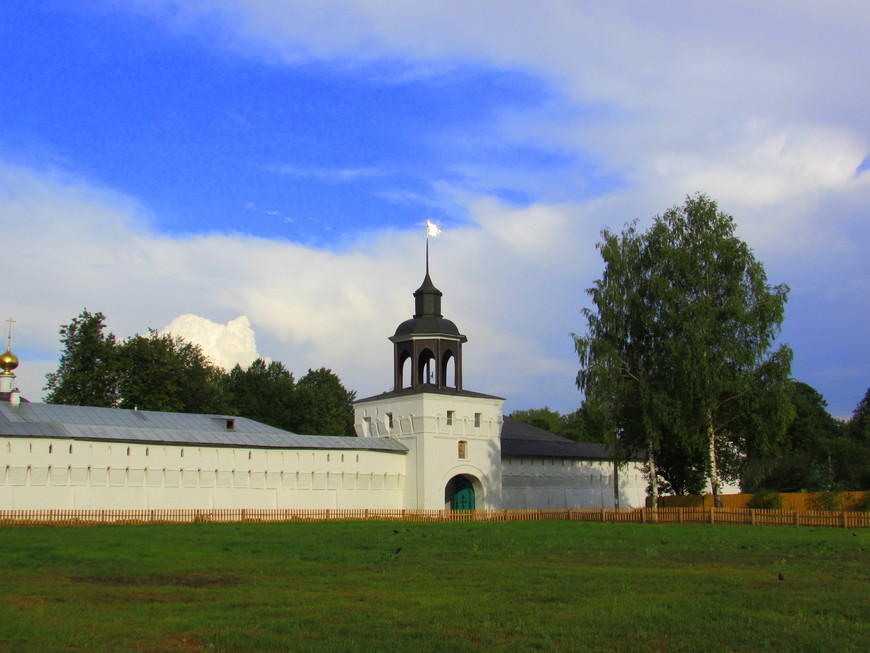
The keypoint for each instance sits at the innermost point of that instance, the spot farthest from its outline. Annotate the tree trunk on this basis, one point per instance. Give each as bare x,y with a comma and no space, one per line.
616,485
653,479
714,471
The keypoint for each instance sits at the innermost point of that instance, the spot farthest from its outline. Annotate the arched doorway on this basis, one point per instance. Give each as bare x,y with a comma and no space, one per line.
459,493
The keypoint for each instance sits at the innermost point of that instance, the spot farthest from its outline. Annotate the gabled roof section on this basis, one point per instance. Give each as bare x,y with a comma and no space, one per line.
521,439
146,426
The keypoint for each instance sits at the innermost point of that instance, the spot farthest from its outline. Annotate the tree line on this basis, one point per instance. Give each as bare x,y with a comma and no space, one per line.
165,373
817,452
680,364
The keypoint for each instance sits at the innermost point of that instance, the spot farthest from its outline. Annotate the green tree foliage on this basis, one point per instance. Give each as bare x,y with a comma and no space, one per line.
811,422
851,459
581,426
262,392
800,461
322,405
87,374
818,453
162,373
677,360
542,418
574,426
159,372
859,425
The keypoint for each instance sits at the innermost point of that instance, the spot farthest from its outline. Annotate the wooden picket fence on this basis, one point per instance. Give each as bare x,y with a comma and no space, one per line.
732,516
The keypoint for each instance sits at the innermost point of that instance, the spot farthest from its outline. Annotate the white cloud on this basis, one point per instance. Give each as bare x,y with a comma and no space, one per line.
760,104
768,165
82,247
226,345
513,281
332,175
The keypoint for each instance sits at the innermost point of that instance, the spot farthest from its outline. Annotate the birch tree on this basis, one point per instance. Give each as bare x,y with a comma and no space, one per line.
679,351
618,369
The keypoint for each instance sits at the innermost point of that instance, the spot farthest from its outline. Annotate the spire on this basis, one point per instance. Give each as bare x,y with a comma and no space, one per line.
427,299
8,362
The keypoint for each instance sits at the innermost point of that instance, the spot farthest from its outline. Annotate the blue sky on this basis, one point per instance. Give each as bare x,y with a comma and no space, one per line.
278,160
212,140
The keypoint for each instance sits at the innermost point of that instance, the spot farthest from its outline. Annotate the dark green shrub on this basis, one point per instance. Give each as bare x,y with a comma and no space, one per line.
766,500
862,504
826,501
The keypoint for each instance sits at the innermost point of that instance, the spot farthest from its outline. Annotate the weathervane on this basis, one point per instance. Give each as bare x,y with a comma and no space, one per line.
432,231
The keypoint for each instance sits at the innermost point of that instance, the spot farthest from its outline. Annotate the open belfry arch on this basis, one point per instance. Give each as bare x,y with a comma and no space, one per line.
450,433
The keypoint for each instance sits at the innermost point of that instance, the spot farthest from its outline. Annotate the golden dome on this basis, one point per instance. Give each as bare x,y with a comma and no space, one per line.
8,361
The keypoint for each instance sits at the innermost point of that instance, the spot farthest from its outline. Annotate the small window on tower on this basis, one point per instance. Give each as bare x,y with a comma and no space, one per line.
463,450
449,418
388,418
477,420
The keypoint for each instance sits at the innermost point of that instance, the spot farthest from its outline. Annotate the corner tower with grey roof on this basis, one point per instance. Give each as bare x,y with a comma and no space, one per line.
452,434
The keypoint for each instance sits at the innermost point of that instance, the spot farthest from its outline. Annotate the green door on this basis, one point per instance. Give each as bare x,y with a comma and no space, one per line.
463,494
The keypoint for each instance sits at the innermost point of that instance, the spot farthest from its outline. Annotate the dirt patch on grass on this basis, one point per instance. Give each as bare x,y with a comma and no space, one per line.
31,602
175,643
196,581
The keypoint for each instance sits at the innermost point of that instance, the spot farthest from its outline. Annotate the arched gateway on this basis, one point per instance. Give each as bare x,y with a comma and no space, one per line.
459,493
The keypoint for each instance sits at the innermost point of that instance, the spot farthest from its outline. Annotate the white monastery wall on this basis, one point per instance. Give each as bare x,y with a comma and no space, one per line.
62,473
539,483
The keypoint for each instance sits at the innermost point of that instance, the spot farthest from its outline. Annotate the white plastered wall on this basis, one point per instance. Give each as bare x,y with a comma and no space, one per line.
61,473
539,482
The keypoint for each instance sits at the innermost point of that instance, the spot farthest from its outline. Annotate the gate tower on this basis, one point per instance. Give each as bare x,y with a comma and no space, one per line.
453,435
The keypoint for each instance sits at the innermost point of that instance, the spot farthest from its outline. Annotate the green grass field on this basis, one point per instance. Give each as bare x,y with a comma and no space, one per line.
380,586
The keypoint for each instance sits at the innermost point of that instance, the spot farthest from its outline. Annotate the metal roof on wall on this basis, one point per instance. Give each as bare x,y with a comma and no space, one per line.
92,423
112,424
521,439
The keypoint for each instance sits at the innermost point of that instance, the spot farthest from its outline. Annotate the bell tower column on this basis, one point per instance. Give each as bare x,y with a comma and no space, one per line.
453,436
